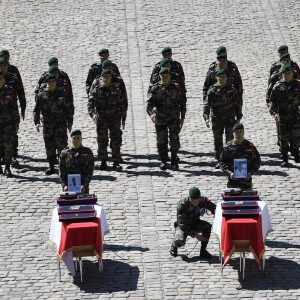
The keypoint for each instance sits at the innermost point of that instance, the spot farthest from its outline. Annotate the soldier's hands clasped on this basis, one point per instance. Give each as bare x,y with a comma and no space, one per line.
37,126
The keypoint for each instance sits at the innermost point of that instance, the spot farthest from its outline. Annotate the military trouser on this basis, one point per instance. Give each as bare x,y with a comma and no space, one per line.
6,142
113,125
243,184
218,127
165,126
199,226
55,138
15,141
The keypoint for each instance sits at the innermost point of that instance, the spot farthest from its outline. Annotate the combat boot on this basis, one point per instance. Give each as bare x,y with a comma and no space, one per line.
7,171
284,160
204,254
174,163
173,251
163,165
15,163
50,170
103,165
116,166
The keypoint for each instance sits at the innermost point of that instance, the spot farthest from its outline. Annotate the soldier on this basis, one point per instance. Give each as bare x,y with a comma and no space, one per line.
9,122
188,222
284,107
221,101
239,148
283,49
167,108
57,115
232,73
76,160
107,107
63,79
96,69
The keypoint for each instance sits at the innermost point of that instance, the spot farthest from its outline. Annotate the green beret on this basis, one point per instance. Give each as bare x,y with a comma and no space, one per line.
194,193
52,60
283,56
282,48
105,71
50,76
76,132
164,71
164,61
4,52
221,51
286,68
237,126
2,60
106,64
104,50
221,72
53,69
166,49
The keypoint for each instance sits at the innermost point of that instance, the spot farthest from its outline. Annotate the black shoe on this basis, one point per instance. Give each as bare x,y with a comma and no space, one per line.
163,165
284,163
217,166
204,254
174,165
15,163
103,165
7,171
173,251
50,171
116,166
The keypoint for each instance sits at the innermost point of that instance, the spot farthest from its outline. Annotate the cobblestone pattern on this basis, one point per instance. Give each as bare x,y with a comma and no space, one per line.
141,201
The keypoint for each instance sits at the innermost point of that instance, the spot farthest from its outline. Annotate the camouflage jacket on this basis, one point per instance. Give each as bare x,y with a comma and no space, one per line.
54,108
233,151
285,98
233,77
106,100
76,161
187,214
277,66
63,82
166,100
94,71
222,102
8,106
12,80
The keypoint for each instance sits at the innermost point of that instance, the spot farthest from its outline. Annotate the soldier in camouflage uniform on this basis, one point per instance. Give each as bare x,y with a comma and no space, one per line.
167,108
9,122
96,69
57,114
239,148
232,73
76,160
63,79
284,107
107,107
188,222
221,101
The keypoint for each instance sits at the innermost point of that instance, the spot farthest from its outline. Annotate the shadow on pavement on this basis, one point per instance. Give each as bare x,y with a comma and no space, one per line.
278,244
111,247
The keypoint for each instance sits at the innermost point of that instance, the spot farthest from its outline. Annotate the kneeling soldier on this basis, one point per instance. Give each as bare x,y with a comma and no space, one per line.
189,211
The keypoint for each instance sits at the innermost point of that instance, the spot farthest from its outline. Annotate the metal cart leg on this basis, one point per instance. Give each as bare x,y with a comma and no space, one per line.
244,265
240,261
75,262
80,267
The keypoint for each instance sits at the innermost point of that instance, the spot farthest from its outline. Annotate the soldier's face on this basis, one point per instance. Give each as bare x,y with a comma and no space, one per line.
104,56
3,67
2,81
222,79
106,79
51,83
282,52
55,73
288,76
239,134
194,202
167,54
167,66
76,141
165,78
285,61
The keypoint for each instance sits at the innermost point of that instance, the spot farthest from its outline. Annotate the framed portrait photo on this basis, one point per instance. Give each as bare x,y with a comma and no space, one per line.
240,168
74,183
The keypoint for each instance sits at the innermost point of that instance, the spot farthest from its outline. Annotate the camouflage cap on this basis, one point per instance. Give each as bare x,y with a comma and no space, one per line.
102,51
50,76
2,60
164,61
52,60
221,72
221,51
164,71
283,48
283,56
105,71
237,126
194,193
166,49
286,68
106,64
53,69
4,52
75,132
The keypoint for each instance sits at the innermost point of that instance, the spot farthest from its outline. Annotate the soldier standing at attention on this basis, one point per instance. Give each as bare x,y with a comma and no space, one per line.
188,222
76,160
166,107
221,101
239,148
107,107
57,113
9,118
96,69
284,107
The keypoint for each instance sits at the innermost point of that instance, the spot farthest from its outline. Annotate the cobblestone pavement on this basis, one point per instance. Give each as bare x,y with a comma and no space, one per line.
140,202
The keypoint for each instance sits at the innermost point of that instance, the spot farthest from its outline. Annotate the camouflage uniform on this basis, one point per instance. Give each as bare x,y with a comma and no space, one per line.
169,105
233,77
110,106
232,151
277,66
57,113
76,161
188,219
9,117
95,71
225,111
285,101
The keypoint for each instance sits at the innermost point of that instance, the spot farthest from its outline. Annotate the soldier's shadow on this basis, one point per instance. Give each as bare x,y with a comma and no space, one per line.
213,260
